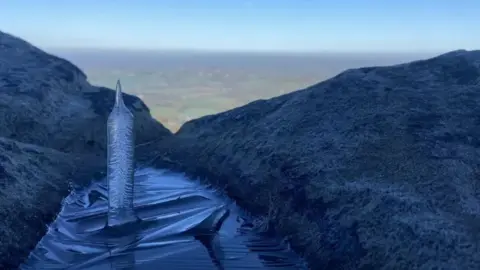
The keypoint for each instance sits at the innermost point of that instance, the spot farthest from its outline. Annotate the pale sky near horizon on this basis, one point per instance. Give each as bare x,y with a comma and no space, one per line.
255,25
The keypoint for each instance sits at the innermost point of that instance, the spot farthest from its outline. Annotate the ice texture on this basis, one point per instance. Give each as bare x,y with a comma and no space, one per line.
120,162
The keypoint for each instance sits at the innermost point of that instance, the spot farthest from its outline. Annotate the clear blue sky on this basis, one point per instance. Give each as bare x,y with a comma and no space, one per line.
254,25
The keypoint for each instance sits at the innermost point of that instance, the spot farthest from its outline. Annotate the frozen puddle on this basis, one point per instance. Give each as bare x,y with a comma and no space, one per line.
182,225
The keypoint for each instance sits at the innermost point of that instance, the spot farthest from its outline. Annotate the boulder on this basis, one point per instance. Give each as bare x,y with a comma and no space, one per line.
52,137
376,168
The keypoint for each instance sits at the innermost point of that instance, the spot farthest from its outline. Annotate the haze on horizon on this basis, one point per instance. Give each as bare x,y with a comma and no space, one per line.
354,26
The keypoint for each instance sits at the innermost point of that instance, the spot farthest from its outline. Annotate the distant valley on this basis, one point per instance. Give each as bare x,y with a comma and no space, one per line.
179,86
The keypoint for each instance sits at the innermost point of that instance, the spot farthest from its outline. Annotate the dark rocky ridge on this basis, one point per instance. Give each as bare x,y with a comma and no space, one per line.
376,168
52,135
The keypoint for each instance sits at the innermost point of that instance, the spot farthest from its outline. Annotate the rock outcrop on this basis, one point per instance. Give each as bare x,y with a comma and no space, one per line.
376,168
52,136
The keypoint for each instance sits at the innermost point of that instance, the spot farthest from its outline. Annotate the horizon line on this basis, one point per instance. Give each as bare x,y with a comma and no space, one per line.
238,51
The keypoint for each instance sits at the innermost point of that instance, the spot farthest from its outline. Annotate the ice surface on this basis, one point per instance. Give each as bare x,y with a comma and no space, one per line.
120,163
184,225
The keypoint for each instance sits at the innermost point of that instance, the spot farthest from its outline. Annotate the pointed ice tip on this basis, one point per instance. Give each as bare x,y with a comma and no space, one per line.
118,96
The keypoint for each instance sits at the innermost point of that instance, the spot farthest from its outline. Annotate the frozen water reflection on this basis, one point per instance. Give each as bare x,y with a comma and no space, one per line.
183,225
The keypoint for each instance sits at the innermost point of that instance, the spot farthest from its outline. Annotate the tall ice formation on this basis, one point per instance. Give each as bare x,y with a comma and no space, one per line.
120,162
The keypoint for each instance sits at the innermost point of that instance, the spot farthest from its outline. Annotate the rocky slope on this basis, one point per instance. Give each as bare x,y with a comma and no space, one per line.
53,134
376,168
